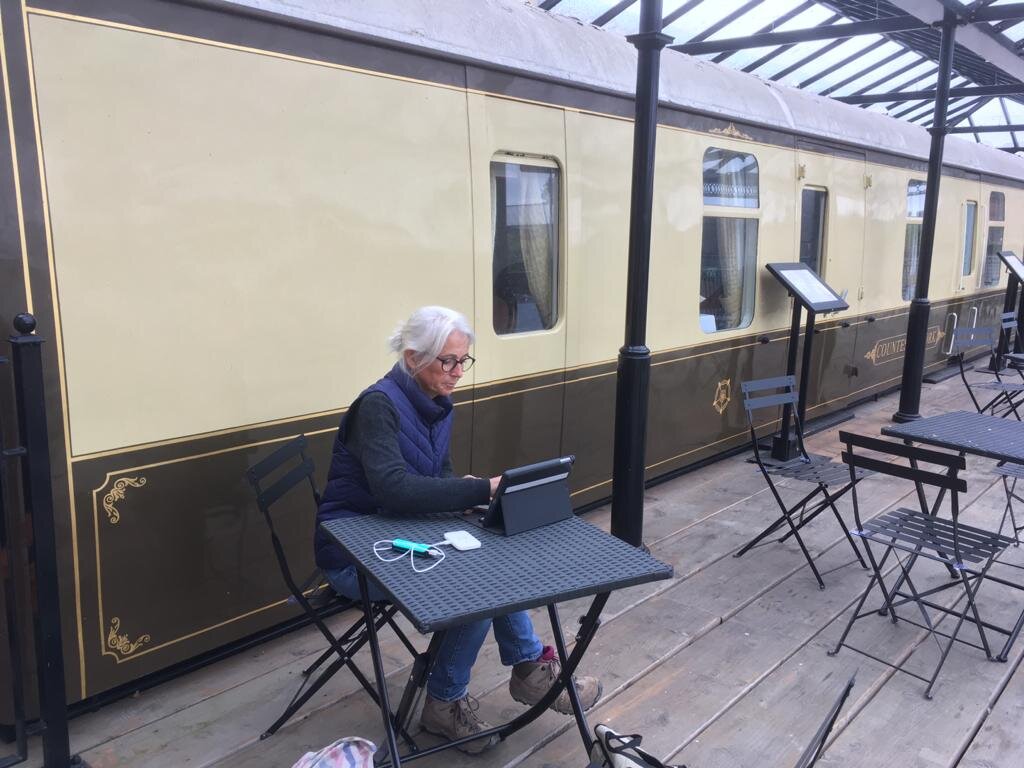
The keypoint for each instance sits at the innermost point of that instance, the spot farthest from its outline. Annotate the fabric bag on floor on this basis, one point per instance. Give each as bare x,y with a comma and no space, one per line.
349,752
613,750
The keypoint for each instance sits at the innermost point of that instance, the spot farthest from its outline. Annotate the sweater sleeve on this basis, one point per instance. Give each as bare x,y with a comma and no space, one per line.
373,439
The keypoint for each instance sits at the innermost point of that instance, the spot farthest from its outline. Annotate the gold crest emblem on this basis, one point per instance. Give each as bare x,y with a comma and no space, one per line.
723,394
732,132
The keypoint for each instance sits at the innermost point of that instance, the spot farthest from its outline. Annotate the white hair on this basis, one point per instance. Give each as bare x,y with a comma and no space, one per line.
425,333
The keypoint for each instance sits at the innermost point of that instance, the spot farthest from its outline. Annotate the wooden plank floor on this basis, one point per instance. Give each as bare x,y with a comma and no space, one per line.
724,665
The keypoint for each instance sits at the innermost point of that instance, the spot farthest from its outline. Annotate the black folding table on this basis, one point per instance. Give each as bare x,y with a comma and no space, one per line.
978,434
558,562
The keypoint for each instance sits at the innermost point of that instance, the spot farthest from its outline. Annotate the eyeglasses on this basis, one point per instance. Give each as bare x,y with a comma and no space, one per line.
448,363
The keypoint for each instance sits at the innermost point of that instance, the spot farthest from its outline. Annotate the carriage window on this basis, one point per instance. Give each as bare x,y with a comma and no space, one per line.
994,242
730,178
524,227
912,243
728,252
969,225
812,227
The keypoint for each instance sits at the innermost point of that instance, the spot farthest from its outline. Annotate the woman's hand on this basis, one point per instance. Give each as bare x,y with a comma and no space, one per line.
493,481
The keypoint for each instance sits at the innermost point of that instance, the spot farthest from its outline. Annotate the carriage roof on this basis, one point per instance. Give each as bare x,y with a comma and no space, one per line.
559,47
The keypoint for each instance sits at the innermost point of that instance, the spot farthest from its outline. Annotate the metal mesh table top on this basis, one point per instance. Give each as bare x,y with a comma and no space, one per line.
558,562
974,433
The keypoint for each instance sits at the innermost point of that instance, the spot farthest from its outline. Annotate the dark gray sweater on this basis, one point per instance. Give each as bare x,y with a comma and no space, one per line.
373,439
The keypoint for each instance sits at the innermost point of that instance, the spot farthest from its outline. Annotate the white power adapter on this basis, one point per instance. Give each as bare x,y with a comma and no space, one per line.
462,540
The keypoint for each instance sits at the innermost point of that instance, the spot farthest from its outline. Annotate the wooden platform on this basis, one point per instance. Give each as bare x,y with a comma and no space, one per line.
724,666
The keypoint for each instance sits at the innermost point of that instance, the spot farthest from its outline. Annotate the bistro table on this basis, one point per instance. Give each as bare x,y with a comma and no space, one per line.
978,434
558,562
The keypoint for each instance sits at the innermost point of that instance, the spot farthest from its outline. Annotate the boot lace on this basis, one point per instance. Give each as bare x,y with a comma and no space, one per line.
465,713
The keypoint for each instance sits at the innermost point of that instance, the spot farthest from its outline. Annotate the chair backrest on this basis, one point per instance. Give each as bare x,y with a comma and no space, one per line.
882,457
967,339
755,399
284,470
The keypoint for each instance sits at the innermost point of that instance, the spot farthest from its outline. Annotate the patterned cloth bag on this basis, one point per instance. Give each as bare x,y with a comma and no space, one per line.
349,752
613,750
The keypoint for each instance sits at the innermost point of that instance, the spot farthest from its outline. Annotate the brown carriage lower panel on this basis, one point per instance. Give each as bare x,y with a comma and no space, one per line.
176,558
516,423
881,344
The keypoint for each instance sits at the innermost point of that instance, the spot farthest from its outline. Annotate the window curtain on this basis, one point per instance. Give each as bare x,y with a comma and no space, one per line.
911,253
534,195
737,243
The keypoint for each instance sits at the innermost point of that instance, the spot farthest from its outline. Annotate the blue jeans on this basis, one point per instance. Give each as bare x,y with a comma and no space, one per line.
449,678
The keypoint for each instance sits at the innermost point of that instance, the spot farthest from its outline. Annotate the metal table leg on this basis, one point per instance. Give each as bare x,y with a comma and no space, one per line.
378,670
588,628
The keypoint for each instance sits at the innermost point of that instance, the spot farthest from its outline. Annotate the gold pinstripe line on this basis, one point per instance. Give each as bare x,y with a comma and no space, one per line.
16,172
737,434
339,411
59,338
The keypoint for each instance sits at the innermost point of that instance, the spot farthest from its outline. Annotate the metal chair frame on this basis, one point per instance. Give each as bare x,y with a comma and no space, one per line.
823,473
1008,394
285,470
967,552
1015,360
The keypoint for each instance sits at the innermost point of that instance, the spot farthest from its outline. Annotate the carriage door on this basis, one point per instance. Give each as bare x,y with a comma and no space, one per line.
518,171
830,239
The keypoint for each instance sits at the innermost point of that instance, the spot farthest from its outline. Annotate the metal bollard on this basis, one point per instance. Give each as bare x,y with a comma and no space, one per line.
26,358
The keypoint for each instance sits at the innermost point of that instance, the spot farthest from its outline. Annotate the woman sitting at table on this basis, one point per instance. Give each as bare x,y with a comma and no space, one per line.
391,455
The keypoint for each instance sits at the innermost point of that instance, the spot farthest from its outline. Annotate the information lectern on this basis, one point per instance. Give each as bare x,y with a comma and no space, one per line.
809,293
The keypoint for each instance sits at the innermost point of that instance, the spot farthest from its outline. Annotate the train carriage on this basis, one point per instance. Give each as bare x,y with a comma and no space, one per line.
218,210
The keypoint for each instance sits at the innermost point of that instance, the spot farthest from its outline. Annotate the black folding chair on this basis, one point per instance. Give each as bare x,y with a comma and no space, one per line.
818,471
1009,340
909,535
285,470
1006,399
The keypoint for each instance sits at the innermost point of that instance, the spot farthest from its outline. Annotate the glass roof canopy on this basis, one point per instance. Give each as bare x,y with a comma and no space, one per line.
900,58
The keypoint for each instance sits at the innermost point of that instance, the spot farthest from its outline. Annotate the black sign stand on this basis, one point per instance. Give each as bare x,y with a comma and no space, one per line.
809,293
1010,303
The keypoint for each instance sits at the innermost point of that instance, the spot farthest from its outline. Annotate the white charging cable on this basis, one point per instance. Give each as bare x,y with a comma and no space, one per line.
384,545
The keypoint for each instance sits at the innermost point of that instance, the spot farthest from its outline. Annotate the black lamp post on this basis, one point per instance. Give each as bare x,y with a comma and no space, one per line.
634,356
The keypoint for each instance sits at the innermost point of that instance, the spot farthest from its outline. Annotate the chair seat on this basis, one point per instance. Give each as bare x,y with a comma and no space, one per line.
818,470
1010,470
909,530
1000,386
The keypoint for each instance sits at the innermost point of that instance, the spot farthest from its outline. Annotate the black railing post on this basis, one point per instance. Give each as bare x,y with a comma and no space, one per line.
27,359
10,570
634,367
917,323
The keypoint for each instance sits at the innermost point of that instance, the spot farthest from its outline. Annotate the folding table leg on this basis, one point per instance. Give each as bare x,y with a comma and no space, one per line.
570,685
1011,493
378,670
588,628
421,666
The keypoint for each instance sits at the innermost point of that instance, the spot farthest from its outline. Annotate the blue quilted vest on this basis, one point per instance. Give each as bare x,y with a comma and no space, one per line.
425,430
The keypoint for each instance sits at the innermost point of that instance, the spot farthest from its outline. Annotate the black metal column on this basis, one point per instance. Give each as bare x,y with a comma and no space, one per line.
12,587
26,356
635,358
917,323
